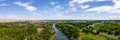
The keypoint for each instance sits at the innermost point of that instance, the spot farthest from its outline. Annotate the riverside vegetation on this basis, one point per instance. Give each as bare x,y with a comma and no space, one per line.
99,30
89,30
26,31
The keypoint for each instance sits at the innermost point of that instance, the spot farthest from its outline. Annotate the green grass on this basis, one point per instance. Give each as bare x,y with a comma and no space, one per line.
91,36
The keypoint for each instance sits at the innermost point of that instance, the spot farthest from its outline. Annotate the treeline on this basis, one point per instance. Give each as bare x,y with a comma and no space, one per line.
26,31
74,30
16,31
71,30
46,34
111,28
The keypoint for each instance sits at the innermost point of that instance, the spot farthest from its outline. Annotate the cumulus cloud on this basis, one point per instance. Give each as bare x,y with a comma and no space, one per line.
84,1
57,7
113,9
102,0
80,4
84,6
79,1
72,9
73,2
53,3
3,4
26,6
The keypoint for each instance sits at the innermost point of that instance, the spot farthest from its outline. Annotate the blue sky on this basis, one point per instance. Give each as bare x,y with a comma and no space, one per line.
60,9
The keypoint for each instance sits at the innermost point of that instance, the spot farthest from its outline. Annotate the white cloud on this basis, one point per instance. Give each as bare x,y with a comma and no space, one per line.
74,2
112,9
84,1
116,3
102,8
71,4
3,4
71,9
80,2
102,0
26,6
84,6
57,7
53,3
74,9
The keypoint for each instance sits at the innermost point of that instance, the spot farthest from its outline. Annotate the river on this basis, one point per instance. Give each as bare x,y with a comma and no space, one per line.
59,34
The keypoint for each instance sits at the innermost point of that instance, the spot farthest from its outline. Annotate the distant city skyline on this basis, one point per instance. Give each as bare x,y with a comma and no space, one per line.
60,9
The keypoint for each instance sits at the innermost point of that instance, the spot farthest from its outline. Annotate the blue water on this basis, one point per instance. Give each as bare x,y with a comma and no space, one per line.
59,34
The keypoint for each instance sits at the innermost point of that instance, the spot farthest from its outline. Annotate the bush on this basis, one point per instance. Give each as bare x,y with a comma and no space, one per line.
119,37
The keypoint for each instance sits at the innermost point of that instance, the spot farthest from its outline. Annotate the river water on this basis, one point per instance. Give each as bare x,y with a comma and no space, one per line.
59,34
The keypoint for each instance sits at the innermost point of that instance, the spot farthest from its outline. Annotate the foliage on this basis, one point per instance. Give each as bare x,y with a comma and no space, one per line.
70,31
25,30
89,30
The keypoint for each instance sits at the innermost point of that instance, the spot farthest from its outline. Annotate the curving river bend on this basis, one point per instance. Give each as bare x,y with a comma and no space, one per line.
59,34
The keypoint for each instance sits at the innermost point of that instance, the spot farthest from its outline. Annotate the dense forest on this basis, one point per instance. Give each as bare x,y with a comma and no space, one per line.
26,31
95,30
